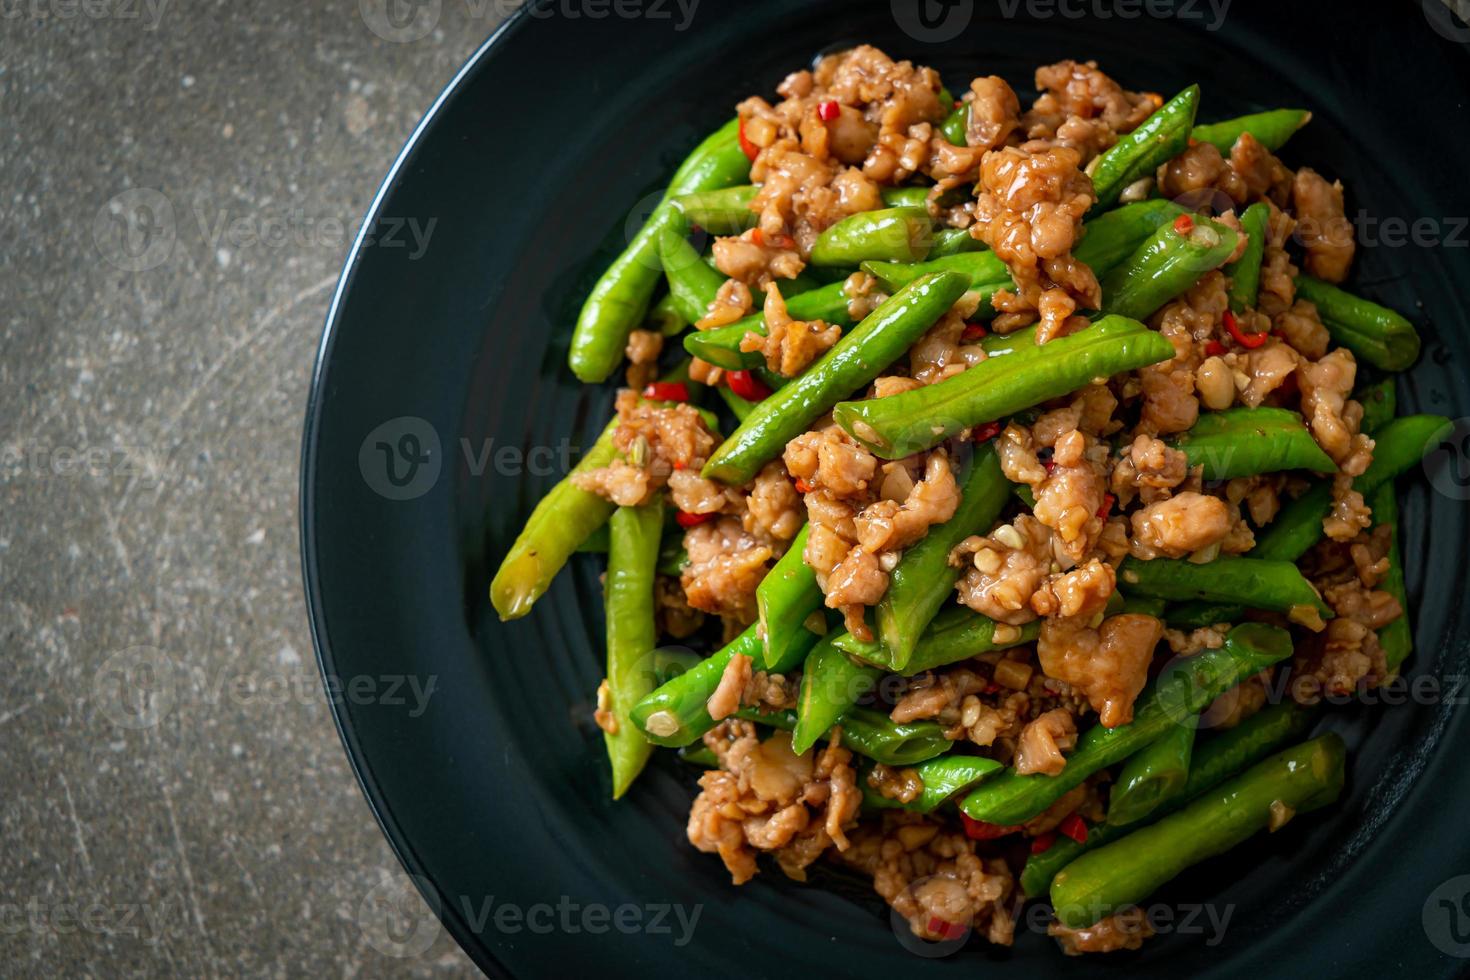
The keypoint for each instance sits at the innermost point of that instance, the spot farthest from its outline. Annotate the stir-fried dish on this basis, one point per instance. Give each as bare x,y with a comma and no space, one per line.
1026,469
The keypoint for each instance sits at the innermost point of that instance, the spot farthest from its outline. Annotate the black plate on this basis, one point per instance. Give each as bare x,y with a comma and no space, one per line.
535,154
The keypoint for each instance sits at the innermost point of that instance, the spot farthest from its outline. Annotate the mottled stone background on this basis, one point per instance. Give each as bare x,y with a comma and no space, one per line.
180,183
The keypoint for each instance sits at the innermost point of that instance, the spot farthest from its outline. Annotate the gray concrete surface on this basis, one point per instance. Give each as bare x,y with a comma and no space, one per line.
180,181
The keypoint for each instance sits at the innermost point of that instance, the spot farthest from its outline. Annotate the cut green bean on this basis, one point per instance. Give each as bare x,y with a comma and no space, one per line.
666,318
901,234
1400,446
944,778
634,534
562,520
1154,776
1249,441
955,126
911,421
785,598
1245,272
1380,404
1216,758
692,284
1254,582
721,345
1186,687
1271,129
954,241
675,713
620,297
851,364
872,734
831,683
1374,333
953,635
1165,265
1158,139
905,197
1397,637
1125,872
923,578
725,211
739,407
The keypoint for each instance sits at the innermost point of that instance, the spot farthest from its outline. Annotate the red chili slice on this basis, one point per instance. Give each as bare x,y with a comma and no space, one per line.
829,110
746,385
1074,827
687,519
1214,349
746,146
1184,224
944,928
987,431
802,486
1043,843
983,830
667,391
1107,506
973,331
1250,341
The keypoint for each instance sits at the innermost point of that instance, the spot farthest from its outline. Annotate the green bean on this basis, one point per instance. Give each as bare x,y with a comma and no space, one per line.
1186,687
1396,638
1200,614
665,318
910,421
1215,759
851,364
675,713
1254,582
1303,778
872,734
672,558
631,634
1108,239
1399,446
1271,129
944,778
1380,404
1245,272
699,755
692,284
1168,263
1158,139
831,683
785,598
1154,776
900,234
618,300
956,125
563,519
1298,526
739,407
1374,333
720,212
905,197
979,268
721,346
954,241
1248,441
923,578
955,634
